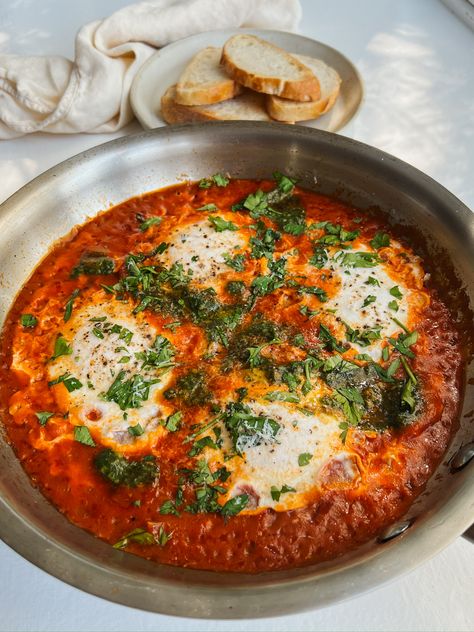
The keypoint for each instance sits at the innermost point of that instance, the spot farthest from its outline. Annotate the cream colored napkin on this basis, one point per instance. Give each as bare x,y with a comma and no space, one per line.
90,94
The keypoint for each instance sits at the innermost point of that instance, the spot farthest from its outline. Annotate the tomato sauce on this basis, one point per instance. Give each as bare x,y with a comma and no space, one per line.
337,517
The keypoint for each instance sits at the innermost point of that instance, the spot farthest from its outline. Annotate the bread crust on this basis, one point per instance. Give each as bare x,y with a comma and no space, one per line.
204,81
173,112
305,89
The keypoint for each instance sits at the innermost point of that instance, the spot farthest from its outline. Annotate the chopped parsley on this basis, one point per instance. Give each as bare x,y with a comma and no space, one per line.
208,207
276,493
395,291
393,305
319,258
61,348
246,429
28,321
190,388
173,422
136,430
43,417
234,506
136,536
237,262
380,240
69,305
304,458
151,221
129,393
221,224
282,396
160,356
368,300
218,179
70,382
358,259
82,435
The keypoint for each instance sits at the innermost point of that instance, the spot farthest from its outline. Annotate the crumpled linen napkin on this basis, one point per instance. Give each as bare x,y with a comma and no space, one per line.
91,93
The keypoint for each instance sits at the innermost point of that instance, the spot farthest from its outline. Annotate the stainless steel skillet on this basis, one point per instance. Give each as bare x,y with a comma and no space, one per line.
47,208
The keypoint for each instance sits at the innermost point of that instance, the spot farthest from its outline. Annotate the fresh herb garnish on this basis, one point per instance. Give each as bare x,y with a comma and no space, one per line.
208,207
235,505
395,291
393,305
70,382
28,321
136,430
82,435
246,429
173,422
190,388
218,179
237,262
319,258
69,305
43,417
221,224
93,263
61,348
151,221
380,240
282,396
276,493
122,471
129,393
304,458
368,300
137,536
160,356
358,259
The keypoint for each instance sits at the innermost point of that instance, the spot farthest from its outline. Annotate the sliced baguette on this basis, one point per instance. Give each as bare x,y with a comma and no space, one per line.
263,67
248,106
290,111
204,80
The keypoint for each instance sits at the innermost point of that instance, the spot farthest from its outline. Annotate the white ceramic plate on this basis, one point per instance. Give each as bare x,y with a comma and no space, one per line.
164,68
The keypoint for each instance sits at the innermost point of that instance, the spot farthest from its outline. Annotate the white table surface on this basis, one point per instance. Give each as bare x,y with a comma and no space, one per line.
417,61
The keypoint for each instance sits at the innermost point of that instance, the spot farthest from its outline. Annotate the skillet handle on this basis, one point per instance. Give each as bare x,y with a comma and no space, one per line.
469,534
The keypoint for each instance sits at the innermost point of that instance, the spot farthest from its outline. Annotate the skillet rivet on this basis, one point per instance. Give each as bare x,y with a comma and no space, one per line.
394,531
462,457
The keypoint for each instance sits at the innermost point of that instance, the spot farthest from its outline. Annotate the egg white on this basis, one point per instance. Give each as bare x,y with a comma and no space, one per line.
95,362
200,249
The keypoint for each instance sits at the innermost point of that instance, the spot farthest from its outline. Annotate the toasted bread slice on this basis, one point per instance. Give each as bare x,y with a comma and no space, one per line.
290,111
263,67
204,80
248,106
